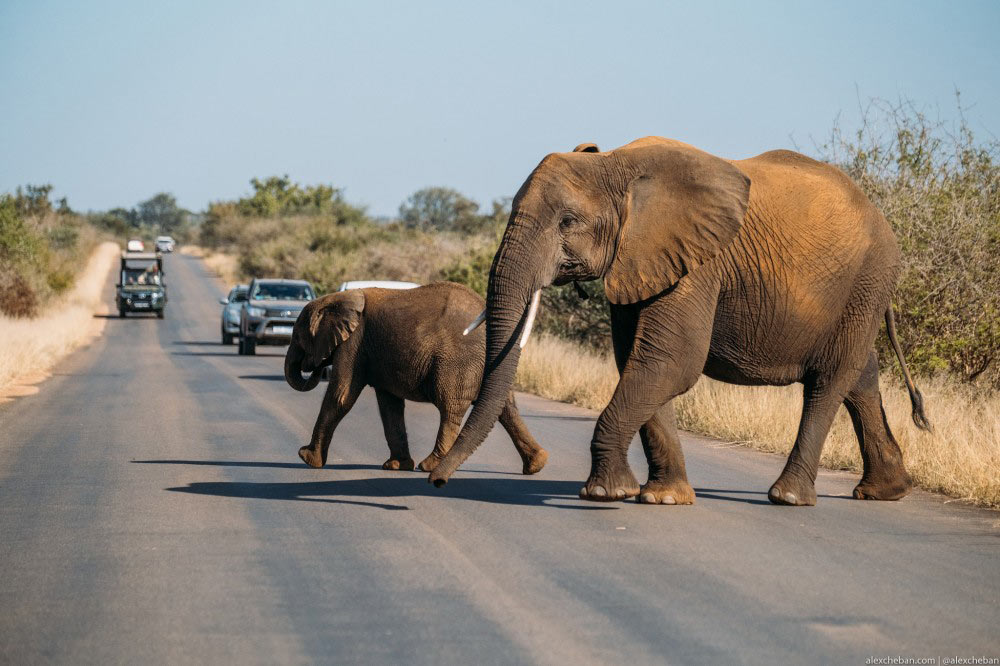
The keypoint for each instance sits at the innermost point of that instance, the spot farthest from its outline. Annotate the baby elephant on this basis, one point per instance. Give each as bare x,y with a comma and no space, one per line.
408,345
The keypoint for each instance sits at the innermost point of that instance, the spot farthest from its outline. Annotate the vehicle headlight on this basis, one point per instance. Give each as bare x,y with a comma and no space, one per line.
233,317
255,312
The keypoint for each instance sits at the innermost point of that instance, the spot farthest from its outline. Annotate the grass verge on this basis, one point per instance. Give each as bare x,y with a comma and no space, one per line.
960,459
30,347
226,266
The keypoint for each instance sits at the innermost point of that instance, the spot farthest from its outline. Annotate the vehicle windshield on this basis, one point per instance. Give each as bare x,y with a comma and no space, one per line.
237,295
277,291
147,276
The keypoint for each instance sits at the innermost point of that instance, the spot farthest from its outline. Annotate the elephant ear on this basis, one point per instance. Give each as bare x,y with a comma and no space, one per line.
587,148
681,210
334,320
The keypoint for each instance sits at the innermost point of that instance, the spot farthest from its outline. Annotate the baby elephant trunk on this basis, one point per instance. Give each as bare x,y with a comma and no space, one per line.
293,370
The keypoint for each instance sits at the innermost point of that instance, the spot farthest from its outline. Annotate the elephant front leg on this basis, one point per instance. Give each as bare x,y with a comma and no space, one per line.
337,402
660,349
668,483
390,409
641,392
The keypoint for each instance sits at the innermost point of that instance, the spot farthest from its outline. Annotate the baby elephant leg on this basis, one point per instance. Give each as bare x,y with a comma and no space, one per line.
390,408
337,402
532,455
451,424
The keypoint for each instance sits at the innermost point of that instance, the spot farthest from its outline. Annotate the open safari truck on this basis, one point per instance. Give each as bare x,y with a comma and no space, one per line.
141,286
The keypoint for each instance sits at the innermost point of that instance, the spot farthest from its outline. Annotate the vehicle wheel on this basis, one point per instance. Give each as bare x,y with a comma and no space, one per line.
250,347
241,345
160,314
227,338
121,312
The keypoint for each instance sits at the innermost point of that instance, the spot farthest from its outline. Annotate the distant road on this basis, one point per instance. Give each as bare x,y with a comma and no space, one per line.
153,510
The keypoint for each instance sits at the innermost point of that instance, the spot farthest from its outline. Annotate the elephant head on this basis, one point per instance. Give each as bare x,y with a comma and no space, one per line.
641,217
322,325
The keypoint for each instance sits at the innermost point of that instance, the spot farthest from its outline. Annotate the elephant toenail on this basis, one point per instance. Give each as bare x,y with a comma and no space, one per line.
599,491
648,498
775,493
668,500
583,492
791,498
619,494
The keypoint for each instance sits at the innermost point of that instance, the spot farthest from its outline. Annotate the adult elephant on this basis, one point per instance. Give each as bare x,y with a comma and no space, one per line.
765,271
408,345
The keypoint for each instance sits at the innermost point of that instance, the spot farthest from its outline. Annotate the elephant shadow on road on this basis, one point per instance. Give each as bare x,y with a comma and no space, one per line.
364,492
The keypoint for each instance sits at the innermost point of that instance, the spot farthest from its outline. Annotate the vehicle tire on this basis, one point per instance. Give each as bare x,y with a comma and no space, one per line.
241,345
250,347
227,338
160,314
121,313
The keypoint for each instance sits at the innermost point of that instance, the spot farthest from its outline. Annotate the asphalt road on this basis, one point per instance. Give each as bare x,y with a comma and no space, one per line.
153,509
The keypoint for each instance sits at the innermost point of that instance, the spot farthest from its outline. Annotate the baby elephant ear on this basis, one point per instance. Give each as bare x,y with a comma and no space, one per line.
335,318
587,148
681,210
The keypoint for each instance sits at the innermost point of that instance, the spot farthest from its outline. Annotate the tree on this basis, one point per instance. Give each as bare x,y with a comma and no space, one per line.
440,209
161,211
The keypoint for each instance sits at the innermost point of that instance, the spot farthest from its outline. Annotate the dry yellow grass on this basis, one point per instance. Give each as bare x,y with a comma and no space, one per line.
30,347
226,266
960,459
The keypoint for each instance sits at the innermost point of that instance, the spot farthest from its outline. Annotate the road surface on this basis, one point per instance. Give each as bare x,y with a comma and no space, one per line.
153,509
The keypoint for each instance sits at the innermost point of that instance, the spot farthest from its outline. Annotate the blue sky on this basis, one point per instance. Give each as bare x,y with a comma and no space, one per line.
114,101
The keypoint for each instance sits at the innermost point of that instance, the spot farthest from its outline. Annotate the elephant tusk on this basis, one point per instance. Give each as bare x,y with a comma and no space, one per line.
531,317
476,323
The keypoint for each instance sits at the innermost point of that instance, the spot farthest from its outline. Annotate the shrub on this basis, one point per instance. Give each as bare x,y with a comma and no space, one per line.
41,249
940,190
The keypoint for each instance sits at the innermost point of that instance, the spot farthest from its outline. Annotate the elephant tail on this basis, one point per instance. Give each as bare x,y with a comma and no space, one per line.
916,398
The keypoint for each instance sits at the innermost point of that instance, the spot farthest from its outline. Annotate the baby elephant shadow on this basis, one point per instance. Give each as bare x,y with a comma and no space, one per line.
523,492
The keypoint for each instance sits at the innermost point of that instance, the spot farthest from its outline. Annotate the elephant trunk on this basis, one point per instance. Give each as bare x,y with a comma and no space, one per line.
507,313
293,370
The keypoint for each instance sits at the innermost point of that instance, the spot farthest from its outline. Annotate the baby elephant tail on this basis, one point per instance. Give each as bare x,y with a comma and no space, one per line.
916,398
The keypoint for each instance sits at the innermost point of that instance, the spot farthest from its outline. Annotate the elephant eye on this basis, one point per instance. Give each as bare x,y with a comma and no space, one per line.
567,221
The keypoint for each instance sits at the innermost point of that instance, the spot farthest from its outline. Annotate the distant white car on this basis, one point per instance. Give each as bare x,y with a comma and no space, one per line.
165,243
385,284
135,245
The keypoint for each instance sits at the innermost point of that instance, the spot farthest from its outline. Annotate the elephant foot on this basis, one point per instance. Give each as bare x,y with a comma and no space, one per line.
310,457
886,490
666,492
404,465
429,463
536,462
610,483
790,491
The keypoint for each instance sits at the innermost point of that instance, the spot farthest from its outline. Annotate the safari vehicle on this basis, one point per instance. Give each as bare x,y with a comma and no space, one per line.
270,311
141,287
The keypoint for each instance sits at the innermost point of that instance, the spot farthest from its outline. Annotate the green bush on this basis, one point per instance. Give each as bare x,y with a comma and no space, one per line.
41,249
940,190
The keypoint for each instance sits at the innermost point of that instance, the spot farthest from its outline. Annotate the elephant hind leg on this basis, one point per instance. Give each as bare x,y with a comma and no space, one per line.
822,397
885,477
391,409
533,456
448,429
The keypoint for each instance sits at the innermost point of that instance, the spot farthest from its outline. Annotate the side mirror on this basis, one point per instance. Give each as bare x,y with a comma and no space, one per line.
224,301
